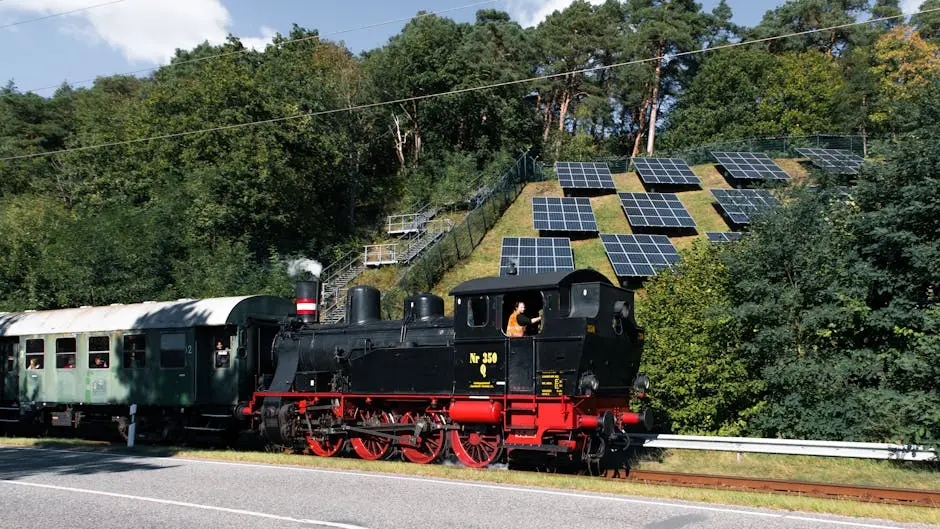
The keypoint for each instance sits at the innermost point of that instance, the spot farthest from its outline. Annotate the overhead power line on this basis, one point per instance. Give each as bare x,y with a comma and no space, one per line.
59,14
291,41
458,91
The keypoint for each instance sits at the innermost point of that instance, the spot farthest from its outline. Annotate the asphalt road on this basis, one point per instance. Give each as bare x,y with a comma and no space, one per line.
51,489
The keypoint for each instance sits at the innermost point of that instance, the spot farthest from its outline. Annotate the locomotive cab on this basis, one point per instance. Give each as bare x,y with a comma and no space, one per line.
587,335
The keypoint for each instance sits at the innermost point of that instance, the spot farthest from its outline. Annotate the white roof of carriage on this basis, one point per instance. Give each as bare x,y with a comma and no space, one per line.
148,315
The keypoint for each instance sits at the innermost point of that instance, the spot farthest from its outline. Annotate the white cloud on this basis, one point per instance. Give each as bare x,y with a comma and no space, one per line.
911,6
259,43
141,30
531,12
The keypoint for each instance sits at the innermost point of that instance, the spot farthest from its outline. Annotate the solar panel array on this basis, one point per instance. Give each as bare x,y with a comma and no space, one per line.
664,171
584,175
535,255
563,214
740,204
750,166
639,255
723,236
655,210
836,161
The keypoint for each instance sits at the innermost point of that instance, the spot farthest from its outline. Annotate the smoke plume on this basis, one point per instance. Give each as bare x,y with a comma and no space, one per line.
296,267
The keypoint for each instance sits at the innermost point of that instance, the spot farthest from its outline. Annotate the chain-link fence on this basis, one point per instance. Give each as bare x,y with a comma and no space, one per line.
458,243
777,147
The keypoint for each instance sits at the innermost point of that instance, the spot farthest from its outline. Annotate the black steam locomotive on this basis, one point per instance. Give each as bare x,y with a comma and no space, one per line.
427,381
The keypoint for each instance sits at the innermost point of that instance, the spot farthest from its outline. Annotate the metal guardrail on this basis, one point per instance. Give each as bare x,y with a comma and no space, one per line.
789,446
379,254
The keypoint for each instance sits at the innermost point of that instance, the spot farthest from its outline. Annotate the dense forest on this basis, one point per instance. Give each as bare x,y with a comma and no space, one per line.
822,322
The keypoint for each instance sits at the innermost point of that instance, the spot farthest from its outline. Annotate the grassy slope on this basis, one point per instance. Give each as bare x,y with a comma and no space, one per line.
517,221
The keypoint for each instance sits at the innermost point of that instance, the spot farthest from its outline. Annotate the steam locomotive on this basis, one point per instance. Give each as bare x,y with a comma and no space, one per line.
560,395
417,386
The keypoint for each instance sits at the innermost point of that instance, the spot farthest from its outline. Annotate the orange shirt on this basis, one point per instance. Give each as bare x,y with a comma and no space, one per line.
513,329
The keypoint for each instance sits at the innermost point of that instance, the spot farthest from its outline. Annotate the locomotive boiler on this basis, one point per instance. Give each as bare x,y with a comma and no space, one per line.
428,383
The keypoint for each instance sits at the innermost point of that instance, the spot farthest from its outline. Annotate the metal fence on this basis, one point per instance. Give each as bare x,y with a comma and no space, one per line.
459,242
775,147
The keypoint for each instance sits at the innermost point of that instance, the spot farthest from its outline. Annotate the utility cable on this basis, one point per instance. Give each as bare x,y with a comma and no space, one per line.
291,41
458,91
59,14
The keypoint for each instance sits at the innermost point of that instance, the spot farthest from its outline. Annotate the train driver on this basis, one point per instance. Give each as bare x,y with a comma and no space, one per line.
518,321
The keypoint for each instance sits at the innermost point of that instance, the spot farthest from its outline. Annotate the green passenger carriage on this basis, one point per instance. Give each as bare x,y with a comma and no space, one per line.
187,364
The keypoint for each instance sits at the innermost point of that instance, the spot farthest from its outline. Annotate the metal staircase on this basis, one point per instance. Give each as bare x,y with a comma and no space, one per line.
337,278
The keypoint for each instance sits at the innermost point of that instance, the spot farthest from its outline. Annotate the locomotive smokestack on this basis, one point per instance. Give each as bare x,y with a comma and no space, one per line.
308,294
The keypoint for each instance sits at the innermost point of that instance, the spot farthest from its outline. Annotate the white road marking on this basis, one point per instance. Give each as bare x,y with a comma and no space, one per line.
486,486
279,518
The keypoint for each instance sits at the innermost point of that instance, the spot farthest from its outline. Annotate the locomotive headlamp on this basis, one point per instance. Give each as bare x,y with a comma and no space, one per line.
589,384
641,384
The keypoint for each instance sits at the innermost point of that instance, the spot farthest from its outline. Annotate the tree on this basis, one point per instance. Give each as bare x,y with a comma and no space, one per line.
702,383
741,93
662,27
905,65
799,16
928,24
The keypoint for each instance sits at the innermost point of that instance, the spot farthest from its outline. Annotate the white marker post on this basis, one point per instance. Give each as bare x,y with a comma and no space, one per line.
132,428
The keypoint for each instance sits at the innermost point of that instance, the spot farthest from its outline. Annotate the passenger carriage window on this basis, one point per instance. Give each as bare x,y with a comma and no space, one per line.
35,349
135,351
99,352
476,311
8,351
221,353
173,350
65,349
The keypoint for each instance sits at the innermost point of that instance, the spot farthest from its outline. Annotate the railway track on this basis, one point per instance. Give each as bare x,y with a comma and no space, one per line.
914,497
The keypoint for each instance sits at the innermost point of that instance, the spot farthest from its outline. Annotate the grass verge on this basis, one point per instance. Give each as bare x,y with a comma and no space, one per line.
516,478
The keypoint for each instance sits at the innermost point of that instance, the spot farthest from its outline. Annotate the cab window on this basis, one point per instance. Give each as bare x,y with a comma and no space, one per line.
530,319
476,311
35,350
65,349
135,351
99,352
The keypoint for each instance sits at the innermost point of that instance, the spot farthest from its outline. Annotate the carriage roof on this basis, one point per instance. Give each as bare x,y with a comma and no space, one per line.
182,313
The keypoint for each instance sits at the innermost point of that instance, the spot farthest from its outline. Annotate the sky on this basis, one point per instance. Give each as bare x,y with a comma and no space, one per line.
104,37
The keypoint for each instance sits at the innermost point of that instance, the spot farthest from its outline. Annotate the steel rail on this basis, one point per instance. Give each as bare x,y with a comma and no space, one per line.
913,497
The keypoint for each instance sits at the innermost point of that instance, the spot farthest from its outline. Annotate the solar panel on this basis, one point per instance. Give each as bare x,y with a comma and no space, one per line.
838,161
740,204
750,166
665,171
639,255
563,214
723,236
584,175
655,210
535,255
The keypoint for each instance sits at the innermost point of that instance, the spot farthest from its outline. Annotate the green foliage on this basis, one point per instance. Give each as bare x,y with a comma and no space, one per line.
741,93
702,382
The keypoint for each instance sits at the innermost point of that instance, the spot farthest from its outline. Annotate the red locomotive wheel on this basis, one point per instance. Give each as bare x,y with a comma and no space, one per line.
327,447
476,449
429,447
372,448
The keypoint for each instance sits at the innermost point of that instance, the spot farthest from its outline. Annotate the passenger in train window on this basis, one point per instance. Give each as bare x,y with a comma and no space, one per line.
99,363
69,363
221,355
33,364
